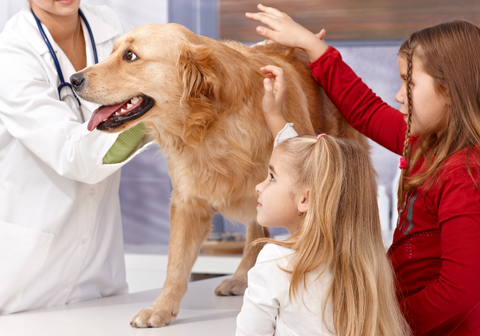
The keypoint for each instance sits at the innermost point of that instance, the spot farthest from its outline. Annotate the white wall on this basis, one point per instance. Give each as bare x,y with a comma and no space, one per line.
8,8
136,12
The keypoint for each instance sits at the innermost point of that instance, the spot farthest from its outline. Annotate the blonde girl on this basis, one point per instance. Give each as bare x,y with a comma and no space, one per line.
436,249
331,276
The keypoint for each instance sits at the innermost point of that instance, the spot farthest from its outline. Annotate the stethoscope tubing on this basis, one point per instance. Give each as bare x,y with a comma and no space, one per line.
55,59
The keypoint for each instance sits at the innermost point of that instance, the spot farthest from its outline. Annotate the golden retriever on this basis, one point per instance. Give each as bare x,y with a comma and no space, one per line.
201,100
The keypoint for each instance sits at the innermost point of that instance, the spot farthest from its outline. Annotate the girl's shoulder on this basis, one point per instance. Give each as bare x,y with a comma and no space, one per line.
461,162
269,269
273,252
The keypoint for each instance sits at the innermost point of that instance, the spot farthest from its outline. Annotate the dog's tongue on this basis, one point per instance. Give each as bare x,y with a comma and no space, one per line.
102,113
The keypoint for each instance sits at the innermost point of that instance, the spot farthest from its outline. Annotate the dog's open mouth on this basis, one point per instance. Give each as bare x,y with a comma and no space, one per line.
109,117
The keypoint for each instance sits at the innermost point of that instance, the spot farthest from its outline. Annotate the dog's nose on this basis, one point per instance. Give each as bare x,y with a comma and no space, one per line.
78,81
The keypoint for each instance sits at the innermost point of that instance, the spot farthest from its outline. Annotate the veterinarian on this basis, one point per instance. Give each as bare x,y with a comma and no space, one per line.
60,224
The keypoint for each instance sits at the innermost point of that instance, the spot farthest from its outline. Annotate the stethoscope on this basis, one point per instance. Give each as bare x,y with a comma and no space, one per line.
57,65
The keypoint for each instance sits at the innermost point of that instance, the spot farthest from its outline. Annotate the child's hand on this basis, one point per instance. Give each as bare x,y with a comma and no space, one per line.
272,102
287,32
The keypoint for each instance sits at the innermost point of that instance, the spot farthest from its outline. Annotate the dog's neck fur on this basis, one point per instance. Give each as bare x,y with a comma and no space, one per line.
226,159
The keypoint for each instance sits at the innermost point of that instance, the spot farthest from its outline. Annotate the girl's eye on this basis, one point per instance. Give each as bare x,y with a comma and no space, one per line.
130,56
271,177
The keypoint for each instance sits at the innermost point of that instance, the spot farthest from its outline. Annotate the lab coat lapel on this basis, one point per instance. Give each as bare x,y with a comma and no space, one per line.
29,29
102,32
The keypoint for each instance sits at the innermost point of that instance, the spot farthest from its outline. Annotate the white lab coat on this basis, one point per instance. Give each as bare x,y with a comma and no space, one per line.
60,225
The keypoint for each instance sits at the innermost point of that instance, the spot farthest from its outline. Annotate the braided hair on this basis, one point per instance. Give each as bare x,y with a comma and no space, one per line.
407,143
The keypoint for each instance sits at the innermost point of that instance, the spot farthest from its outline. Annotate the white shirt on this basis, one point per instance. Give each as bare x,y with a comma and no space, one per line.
267,309
287,132
60,226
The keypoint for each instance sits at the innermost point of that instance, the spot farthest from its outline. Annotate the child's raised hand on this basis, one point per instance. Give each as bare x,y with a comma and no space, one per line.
287,32
272,102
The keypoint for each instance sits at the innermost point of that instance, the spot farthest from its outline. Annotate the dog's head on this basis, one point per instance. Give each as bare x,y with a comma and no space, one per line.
160,71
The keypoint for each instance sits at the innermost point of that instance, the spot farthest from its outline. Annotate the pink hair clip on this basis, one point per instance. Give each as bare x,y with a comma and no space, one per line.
320,135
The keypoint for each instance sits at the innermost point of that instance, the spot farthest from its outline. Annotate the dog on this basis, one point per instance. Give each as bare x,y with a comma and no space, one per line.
201,101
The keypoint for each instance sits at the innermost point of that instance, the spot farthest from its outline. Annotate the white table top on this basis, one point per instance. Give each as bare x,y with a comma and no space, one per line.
155,257
202,313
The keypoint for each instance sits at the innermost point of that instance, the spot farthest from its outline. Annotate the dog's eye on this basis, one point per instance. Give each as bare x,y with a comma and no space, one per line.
130,56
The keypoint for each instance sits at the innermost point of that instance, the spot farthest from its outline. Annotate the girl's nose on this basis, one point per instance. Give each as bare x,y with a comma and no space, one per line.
259,187
399,97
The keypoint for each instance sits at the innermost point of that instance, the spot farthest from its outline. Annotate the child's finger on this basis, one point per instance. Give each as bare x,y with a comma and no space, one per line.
267,84
266,69
321,34
270,10
262,17
268,96
268,33
278,73
267,73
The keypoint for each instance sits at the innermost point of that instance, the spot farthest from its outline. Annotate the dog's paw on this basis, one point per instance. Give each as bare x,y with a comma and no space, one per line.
150,318
231,286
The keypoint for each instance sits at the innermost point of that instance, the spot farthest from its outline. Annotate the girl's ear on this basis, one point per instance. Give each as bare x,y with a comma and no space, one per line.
199,78
303,202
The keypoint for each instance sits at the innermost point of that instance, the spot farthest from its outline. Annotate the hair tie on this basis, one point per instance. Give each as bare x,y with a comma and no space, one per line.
320,135
403,161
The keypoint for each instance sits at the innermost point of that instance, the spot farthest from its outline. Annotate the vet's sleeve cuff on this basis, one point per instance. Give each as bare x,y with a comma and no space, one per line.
286,133
264,42
125,144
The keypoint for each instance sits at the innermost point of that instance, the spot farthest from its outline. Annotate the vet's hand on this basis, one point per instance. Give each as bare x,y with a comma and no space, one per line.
272,102
283,30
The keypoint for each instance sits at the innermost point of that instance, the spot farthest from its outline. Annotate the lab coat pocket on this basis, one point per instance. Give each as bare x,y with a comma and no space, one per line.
22,254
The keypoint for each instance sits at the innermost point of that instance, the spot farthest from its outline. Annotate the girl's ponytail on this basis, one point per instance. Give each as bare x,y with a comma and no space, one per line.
341,234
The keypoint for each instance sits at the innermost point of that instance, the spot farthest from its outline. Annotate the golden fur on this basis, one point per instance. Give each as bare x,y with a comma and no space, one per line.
208,119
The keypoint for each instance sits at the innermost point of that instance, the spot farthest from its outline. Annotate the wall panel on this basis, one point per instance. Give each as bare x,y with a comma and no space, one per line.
348,19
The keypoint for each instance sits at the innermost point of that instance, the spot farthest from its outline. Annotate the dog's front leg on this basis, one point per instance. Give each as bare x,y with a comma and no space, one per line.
189,227
238,283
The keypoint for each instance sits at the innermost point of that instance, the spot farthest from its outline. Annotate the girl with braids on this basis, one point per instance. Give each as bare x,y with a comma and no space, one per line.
331,276
436,246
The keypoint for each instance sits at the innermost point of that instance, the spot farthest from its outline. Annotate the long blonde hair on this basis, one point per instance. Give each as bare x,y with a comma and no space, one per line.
341,232
448,53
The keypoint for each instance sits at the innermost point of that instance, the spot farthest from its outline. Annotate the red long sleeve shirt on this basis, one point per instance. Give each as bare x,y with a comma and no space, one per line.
436,245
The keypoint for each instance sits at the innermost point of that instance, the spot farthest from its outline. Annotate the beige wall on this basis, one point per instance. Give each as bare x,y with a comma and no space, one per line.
349,19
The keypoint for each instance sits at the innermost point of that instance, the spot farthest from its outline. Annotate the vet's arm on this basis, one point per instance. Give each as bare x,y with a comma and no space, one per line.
32,113
283,30
272,102
125,144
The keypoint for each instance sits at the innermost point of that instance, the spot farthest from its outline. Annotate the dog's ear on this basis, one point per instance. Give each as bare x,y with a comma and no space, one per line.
197,70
